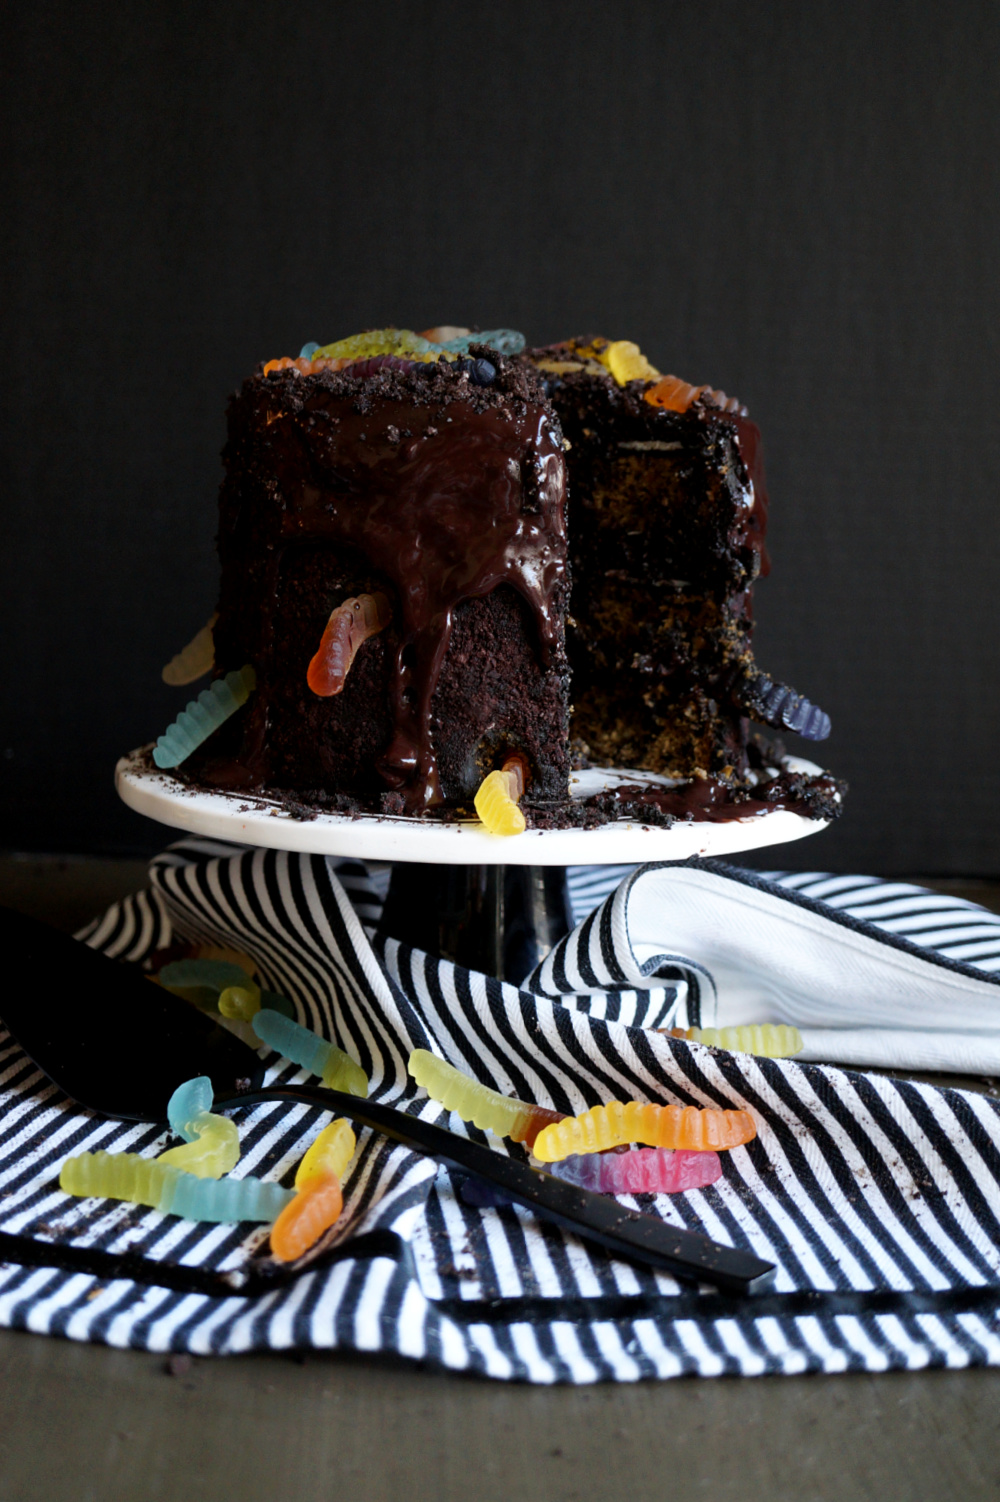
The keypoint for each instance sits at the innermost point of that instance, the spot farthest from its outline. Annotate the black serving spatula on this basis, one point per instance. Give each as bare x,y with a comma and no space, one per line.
104,1033
120,1046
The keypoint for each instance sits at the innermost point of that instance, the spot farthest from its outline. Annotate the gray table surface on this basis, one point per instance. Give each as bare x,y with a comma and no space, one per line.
96,1425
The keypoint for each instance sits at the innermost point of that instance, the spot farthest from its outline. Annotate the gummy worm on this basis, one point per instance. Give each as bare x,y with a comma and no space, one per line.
675,395
214,974
616,1123
203,716
349,626
626,362
240,1003
498,796
336,1068
768,1040
236,995
194,660
314,1209
470,1100
211,1143
149,1181
643,1170
330,1153
319,1198
381,342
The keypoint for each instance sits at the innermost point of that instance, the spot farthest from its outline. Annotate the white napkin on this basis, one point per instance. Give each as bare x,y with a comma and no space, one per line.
757,951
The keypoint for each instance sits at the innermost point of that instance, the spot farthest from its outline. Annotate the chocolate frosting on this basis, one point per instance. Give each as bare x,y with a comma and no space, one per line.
446,500
712,800
748,438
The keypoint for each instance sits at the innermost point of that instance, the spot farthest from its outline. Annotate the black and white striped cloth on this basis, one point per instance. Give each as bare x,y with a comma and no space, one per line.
878,1199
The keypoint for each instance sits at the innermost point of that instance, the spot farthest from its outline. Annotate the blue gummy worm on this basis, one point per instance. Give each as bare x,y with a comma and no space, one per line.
202,716
294,1042
189,1101
308,350
214,973
222,1200
504,341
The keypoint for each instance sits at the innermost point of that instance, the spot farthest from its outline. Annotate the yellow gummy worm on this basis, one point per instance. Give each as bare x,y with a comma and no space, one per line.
214,1152
148,1181
617,1124
330,1153
344,1073
769,1040
469,1099
240,1003
485,1108
117,1176
194,660
496,802
626,362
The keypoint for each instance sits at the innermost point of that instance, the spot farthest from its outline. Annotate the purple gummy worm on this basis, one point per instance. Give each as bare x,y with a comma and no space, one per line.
643,1170
368,367
783,706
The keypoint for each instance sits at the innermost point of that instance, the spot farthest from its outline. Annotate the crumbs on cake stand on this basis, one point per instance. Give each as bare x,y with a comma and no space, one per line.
708,799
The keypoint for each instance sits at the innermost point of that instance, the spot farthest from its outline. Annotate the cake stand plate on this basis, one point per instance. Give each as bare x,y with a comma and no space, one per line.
247,819
490,903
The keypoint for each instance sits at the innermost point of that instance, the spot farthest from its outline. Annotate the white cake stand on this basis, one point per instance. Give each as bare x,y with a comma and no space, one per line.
249,820
491,902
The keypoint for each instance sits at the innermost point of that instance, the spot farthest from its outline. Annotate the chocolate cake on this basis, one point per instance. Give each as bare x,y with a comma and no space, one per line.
419,605
441,487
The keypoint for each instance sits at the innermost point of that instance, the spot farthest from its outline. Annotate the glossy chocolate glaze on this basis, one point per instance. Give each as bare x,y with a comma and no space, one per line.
708,800
711,800
748,441
446,499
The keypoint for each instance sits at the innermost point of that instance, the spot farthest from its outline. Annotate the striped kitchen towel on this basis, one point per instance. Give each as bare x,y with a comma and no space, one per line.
878,1199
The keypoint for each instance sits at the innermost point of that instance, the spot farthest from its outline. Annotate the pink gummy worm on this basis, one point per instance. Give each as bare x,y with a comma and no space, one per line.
657,1170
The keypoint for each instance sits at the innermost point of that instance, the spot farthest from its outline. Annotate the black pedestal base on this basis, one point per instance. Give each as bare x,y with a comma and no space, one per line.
501,920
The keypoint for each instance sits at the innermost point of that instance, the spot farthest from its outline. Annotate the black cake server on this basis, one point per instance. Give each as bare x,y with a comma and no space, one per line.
120,1046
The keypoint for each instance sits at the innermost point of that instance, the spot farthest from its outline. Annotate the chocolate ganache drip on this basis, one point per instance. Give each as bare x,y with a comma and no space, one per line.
447,502
748,440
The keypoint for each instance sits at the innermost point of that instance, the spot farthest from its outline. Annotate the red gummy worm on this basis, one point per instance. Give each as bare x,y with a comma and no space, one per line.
527,1127
349,625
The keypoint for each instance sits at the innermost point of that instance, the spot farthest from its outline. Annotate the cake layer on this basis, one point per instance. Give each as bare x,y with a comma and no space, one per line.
668,519
444,499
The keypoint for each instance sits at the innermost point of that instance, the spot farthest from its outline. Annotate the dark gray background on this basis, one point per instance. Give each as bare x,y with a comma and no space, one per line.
797,203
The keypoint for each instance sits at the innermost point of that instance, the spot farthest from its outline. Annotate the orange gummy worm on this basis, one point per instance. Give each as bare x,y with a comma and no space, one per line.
349,626
304,367
617,1124
316,1206
309,367
673,394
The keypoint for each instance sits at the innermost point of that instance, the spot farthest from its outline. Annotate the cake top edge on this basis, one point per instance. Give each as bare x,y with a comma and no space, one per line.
483,382
477,354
